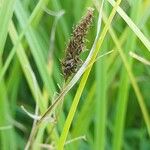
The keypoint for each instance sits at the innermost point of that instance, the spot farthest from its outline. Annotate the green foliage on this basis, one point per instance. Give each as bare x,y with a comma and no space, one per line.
107,109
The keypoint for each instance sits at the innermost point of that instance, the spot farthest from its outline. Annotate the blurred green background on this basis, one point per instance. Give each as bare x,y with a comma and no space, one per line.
113,111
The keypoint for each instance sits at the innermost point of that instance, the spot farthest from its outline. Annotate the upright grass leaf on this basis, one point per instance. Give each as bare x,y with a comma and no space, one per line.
12,53
6,136
101,100
84,114
101,104
72,111
6,12
13,85
134,83
85,117
36,49
26,67
124,87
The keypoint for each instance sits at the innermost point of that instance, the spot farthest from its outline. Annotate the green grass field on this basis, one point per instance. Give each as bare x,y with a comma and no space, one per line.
104,105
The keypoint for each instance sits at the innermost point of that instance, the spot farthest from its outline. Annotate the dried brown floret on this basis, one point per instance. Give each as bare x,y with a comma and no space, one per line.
71,62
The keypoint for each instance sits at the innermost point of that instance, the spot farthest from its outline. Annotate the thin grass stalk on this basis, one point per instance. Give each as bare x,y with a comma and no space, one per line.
123,91
84,79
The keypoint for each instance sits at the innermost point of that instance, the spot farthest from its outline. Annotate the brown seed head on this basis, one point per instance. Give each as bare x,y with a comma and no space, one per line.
76,45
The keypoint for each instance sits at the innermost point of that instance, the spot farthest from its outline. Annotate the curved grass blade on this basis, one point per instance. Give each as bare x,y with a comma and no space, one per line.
98,42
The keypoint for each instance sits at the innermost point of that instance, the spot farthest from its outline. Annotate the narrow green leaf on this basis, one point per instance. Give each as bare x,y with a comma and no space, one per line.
132,25
36,48
6,12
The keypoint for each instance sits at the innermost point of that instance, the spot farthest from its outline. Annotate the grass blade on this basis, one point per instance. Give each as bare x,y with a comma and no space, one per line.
6,12
36,48
131,24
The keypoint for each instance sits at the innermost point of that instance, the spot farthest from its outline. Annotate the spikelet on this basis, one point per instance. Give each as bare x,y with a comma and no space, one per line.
71,62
